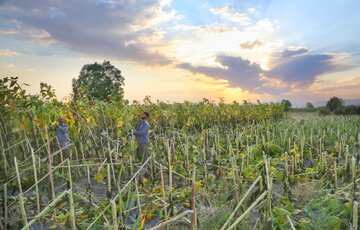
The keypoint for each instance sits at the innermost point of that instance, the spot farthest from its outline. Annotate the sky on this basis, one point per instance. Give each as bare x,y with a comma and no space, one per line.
177,50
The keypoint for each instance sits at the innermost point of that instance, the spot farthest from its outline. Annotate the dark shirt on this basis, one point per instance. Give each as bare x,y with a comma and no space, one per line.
62,133
141,133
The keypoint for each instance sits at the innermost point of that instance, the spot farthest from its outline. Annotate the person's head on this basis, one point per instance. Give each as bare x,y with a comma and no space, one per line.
145,115
61,120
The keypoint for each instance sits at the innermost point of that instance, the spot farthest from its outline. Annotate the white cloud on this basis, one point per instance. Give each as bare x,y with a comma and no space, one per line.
265,26
157,15
199,44
9,31
9,66
39,36
231,14
8,53
251,10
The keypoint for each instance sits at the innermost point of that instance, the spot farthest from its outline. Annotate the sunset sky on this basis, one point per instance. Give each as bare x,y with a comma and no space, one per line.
180,50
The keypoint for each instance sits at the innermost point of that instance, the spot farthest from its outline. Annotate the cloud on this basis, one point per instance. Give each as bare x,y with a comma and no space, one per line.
231,14
291,71
9,31
102,28
251,10
9,66
293,52
263,26
353,83
237,71
203,29
39,36
8,53
301,67
250,45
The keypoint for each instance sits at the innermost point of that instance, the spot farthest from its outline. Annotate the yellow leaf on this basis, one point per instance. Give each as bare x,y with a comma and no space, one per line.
83,216
272,169
156,189
198,184
87,120
98,177
145,181
120,124
142,223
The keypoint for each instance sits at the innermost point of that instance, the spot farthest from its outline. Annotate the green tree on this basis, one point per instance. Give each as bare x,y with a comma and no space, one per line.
309,105
335,103
287,104
99,81
47,92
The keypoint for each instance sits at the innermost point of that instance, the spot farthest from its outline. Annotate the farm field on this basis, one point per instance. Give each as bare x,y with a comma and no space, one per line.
211,166
179,115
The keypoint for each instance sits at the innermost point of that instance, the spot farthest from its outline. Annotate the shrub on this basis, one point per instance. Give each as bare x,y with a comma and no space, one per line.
339,111
324,111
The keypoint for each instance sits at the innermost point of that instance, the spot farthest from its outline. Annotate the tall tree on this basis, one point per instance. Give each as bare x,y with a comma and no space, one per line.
287,104
309,105
99,81
335,103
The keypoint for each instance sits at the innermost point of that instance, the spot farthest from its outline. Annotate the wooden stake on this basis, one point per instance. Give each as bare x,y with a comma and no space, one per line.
269,189
241,201
49,164
165,223
3,155
291,224
353,176
170,178
335,176
46,210
108,181
131,165
138,198
36,180
71,200
114,215
355,215
21,199
193,208
205,165
248,210
163,191
89,182
5,207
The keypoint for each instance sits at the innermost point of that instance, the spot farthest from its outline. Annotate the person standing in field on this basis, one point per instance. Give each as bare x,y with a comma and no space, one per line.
142,137
62,134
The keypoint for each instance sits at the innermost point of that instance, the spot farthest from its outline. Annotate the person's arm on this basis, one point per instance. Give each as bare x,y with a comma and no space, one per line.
143,130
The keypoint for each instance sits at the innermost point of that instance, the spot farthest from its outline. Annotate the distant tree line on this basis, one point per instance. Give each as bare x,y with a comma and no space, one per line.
335,106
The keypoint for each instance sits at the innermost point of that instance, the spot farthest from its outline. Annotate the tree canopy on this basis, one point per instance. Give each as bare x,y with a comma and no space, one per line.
335,103
99,81
309,105
287,104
